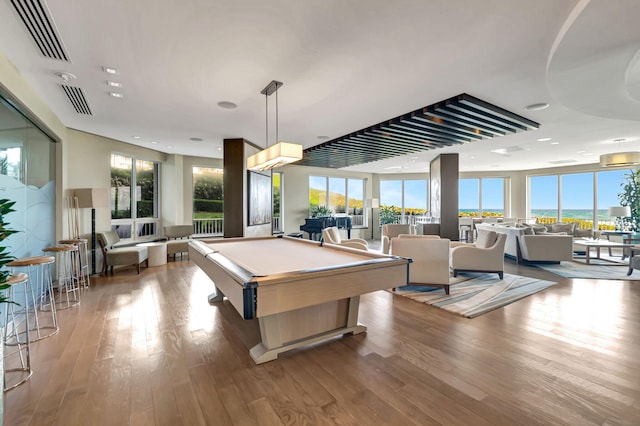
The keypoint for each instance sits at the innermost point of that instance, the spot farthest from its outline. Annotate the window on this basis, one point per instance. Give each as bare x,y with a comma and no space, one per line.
341,195
543,198
469,197
208,204
402,200
576,199
481,197
134,197
276,190
609,186
581,200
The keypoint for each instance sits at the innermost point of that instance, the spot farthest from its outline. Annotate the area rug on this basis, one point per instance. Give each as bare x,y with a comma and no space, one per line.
474,294
581,270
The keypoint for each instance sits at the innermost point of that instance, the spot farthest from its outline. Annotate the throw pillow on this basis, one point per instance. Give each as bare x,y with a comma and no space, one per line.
563,227
583,233
486,238
527,230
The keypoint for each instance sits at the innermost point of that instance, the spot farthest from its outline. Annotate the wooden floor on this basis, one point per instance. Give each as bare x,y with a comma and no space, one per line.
148,349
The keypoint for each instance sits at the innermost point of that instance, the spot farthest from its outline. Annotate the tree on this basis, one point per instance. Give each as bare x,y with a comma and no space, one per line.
630,196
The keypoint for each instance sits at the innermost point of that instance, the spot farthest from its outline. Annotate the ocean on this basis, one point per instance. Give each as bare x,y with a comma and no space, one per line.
584,214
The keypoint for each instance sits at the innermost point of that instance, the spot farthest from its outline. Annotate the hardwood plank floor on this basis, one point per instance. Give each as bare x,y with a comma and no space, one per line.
148,350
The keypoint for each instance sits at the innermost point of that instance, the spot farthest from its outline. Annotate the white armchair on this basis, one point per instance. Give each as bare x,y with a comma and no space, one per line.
392,230
331,235
430,260
486,255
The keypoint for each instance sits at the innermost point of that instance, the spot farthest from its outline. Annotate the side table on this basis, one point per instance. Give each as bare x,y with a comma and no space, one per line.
157,253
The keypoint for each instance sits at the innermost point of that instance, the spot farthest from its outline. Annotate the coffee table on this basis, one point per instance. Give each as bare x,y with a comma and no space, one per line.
598,244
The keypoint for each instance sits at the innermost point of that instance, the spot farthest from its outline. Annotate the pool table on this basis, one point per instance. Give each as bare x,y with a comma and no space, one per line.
298,291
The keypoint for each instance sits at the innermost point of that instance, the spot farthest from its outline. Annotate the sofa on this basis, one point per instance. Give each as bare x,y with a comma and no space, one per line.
525,244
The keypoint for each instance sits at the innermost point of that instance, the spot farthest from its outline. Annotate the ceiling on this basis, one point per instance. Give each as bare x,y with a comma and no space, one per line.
345,67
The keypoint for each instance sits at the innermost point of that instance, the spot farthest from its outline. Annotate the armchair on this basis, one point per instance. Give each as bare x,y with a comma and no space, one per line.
486,255
120,256
178,237
392,230
331,235
430,260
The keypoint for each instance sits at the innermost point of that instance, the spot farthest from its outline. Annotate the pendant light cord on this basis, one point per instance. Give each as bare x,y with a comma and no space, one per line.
266,120
277,114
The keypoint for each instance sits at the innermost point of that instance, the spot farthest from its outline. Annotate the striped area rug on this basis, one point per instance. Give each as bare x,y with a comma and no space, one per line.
475,294
600,271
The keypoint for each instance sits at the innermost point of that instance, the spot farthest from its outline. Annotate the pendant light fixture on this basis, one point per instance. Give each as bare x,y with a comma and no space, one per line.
620,159
280,153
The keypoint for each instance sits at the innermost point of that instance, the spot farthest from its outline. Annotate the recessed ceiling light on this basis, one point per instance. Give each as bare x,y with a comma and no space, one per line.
544,139
196,139
227,105
554,143
219,148
414,157
169,146
581,151
136,137
116,94
110,70
114,84
154,142
66,76
393,167
537,107
322,137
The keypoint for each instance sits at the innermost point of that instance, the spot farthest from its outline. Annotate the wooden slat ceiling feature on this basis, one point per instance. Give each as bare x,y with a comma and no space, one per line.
454,121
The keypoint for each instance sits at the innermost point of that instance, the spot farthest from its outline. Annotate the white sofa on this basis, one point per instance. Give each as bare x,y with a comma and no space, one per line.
524,245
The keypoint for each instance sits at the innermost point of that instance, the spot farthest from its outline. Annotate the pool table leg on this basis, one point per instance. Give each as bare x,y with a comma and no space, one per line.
216,296
273,327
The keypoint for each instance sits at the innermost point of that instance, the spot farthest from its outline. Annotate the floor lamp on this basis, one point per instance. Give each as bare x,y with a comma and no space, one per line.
92,198
372,203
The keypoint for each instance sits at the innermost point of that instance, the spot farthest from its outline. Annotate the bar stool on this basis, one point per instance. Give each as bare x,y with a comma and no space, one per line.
66,259
12,333
42,296
82,274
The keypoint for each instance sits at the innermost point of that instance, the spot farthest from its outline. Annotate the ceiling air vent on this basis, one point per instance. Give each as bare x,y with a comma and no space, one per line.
35,16
77,99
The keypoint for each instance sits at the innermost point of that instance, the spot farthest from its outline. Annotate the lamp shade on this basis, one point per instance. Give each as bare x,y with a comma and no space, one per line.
620,211
275,156
620,159
90,198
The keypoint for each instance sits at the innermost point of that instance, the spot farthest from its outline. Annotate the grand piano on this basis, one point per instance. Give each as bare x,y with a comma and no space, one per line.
315,225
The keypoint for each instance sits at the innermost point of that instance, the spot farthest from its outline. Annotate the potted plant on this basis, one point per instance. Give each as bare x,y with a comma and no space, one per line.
321,211
6,206
630,196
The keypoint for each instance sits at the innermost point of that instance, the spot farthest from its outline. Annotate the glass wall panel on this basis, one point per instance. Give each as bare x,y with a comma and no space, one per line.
609,186
577,199
543,198
469,197
492,197
146,189
208,203
317,192
337,195
121,171
415,197
355,203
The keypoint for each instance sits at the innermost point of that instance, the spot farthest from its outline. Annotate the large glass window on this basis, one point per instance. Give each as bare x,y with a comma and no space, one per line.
341,195
278,221
610,184
208,204
492,190
576,199
134,197
403,200
338,195
577,196
543,198
469,197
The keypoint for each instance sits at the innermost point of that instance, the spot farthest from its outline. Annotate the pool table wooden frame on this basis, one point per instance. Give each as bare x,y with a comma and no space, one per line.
303,306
